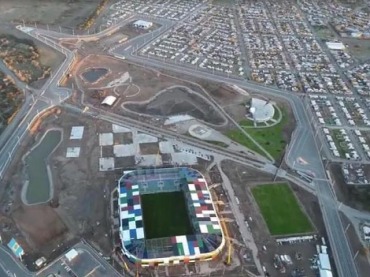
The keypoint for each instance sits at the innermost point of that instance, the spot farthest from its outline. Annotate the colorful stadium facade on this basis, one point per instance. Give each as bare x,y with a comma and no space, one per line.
205,244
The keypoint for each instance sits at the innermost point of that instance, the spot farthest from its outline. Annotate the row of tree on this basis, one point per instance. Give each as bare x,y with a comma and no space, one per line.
91,19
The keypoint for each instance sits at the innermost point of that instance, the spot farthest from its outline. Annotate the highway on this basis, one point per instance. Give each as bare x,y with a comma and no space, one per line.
48,96
303,143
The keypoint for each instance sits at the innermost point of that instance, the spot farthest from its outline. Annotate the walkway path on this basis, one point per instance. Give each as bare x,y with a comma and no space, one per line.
239,217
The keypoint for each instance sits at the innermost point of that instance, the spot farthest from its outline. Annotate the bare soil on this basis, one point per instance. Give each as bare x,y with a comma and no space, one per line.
151,148
41,223
80,206
357,197
177,101
145,84
361,260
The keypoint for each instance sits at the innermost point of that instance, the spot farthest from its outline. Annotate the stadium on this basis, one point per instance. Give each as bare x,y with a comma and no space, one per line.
167,217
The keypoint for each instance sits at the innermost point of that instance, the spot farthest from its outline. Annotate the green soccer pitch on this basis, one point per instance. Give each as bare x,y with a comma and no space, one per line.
280,209
165,215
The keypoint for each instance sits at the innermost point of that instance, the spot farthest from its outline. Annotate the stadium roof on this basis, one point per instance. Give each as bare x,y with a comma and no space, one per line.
208,235
202,203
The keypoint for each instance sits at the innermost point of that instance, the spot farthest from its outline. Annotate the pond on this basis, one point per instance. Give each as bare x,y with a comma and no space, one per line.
94,74
38,190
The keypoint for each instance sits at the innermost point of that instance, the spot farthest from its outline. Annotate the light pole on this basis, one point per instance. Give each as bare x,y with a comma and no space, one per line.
355,256
345,230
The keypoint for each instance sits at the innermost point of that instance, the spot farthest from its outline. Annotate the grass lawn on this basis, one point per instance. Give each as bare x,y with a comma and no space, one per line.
165,215
339,142
270,138
280,209
247,123
239,137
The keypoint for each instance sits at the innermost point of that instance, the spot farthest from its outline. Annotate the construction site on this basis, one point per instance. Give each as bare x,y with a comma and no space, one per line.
80,169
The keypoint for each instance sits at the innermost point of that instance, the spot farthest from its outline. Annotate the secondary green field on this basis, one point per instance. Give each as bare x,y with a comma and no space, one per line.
165,215
270,138
281,210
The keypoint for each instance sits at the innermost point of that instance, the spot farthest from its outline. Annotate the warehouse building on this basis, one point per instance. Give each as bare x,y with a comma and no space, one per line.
142,24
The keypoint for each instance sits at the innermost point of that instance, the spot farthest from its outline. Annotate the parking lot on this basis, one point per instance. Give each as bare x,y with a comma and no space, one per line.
80,261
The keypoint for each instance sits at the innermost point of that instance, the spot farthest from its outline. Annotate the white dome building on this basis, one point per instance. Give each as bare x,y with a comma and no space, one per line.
261,110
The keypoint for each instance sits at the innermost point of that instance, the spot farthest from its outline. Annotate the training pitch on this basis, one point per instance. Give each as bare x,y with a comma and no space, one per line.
281,210
165,215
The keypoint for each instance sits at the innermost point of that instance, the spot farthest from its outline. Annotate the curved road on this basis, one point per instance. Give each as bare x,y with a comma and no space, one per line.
303,142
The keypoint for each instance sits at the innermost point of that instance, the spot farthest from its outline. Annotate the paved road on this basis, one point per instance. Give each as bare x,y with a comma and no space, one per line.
49,95
302,144
240,219
9,265
92,261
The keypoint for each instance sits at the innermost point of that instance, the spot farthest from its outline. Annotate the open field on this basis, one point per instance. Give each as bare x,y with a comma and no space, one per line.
360,49
79,207
28,58
143,93
165,215
178,100
281,210
10,100
22,57
354,196
273,139
325,33
64,12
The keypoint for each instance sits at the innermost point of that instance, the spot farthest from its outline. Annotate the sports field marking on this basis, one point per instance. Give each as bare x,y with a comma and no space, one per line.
165,215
